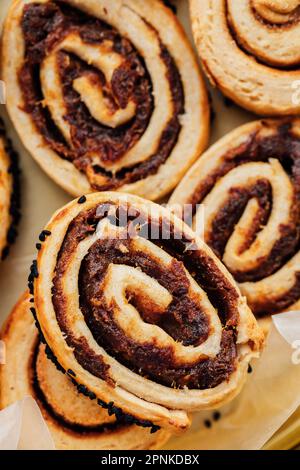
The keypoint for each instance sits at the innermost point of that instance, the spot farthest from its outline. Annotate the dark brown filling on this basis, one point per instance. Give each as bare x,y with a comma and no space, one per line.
183,321
44,26
283,145
55,416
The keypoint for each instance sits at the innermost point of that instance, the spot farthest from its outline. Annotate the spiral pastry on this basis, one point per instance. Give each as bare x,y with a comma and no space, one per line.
75,422
250,50
105,94
9,193
249,186
140,310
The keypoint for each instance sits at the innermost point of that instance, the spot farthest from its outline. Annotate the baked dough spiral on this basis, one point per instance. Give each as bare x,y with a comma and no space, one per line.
250,50
75,422
140,310
9,193
105,94
249,186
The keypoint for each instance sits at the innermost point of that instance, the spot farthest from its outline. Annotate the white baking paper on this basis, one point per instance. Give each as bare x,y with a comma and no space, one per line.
22,427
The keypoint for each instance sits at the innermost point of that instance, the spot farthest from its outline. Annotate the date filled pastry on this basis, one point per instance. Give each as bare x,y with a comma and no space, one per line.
105,94
250,50
245,190
75,422
9,193
141,310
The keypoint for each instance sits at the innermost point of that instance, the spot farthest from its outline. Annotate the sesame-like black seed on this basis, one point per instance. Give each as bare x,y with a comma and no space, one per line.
217,416
70,372
44,234
34,270
38,246
82,200
53,358
126,418
102,403
154,429
92,396
207,423
33,311
250,370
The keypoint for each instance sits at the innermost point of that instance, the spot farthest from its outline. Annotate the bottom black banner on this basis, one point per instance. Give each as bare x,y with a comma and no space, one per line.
134,459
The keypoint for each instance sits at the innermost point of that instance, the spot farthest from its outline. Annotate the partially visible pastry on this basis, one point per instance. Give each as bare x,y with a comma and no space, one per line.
244,192
75,422
9,193
106,95
250,50
141,310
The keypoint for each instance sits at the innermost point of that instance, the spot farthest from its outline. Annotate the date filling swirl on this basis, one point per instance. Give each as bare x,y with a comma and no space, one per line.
144,308
106,95
250,50
248,184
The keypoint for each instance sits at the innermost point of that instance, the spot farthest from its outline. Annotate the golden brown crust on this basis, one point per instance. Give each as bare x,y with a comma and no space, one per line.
248,187
152,163
250,50
75,422
9,193
118,282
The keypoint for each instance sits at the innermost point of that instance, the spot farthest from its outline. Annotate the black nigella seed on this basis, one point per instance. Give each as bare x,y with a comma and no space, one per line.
31,300
38,246
82,200
44,235
33,311
34,271
70,372
154,429
102,404
250,370
216,416
92,396
123,417
207,423
129,419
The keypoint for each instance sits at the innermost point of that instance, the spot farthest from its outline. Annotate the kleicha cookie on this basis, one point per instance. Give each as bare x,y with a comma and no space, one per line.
9,193
74,420
140,310
244,192
250,51
105,95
